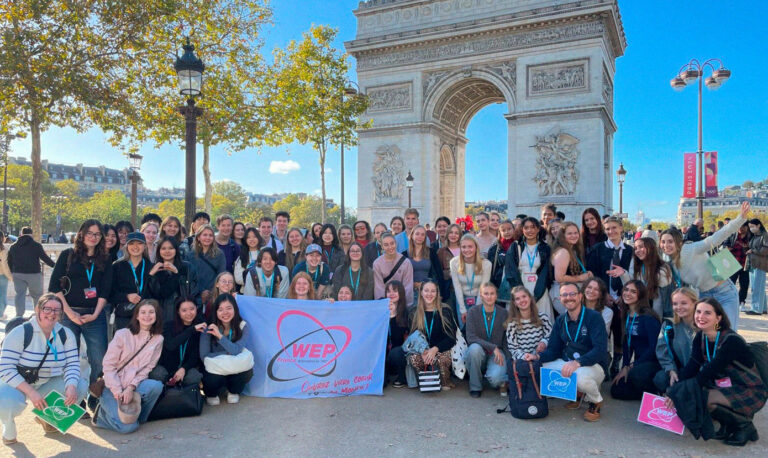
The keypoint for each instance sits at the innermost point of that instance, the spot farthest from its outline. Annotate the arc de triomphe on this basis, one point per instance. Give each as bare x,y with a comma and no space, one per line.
428,66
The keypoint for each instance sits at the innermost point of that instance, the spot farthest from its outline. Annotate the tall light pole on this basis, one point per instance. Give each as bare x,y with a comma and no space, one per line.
134,164
189,69
351,89
690,72
621,174
409,184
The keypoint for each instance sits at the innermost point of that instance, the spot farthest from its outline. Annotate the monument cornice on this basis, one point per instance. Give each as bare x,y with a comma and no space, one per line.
599,109
414,127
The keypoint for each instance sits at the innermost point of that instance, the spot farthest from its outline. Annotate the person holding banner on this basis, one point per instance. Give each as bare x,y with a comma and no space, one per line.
226,336
469,270
578,345
399,326
673,348
344,294
301,287
180,359
266,278
392,266
485,340
52,351
317,270
354,274
434,321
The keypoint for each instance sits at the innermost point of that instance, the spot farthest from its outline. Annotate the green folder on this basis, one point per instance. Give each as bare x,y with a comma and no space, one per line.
58,414
722,265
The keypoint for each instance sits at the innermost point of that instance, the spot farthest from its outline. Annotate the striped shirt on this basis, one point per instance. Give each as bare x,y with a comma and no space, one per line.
61,362
524,339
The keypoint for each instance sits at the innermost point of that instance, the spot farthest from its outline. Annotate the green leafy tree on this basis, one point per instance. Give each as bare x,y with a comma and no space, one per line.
307,210
311,78
232,191
107,206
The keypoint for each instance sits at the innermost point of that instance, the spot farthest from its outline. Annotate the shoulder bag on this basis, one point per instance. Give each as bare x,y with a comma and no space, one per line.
97,388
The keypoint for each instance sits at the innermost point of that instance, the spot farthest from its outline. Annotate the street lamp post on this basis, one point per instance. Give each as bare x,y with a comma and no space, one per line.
134,164
189,69
351,89
58,199
621,174
690,72
409,184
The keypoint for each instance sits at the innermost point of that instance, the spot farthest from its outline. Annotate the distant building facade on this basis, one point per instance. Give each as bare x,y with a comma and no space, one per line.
729,199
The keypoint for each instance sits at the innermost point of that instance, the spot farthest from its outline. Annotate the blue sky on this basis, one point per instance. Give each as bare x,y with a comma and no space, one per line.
656,125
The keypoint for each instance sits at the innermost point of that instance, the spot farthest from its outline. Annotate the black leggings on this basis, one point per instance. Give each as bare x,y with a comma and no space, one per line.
640,379
743,279
214,384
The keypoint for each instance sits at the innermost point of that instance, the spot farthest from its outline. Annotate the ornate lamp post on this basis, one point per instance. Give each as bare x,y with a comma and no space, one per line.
621,175
690,72
134,164
189,70
409,184
351,89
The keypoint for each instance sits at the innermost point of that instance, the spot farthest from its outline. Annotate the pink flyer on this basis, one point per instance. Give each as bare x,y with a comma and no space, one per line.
654,412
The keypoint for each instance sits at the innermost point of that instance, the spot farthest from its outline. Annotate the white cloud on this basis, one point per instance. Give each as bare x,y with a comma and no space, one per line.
283,167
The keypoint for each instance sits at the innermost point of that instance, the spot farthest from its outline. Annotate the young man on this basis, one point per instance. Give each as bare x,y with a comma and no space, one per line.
153,217
24,258
486,336
265,229
411,221
281,226
578,344
316,268
225,242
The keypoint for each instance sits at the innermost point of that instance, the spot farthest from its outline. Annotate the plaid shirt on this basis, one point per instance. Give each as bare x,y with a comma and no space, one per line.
739,249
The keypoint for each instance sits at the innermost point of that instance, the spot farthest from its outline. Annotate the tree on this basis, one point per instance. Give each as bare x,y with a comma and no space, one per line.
306,210
107,206
232,191
748,184
62,64
311,77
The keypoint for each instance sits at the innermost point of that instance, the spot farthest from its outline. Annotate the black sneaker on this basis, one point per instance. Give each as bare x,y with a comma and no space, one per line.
475,394
397,384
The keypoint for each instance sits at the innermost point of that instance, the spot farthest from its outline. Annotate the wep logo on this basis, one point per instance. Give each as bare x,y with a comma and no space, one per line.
307,347
660,412
558,383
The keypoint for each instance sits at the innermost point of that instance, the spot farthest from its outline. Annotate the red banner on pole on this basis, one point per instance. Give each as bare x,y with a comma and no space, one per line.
689,175
710,174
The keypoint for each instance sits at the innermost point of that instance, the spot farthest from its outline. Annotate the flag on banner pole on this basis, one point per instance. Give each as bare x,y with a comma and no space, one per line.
710,174
689,175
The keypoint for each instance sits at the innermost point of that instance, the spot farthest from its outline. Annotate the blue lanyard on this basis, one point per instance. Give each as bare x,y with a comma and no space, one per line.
182,350
271,287
53,347
578,329
675,275
139,286
378,249
629,329
89,274
328,255
531,260
487,331
642,273
581,264
314,276
354,284
714,351
471,283
431,324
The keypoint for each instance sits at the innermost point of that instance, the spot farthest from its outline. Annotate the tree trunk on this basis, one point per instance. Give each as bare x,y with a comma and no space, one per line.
322,183
37,177
207,179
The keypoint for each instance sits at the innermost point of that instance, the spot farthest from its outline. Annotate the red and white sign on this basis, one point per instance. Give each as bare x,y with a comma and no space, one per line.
654,412
689,175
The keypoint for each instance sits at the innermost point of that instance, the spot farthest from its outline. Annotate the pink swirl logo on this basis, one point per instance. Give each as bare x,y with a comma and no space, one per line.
660,412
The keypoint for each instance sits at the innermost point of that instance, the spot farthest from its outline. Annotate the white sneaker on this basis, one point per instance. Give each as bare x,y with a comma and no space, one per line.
233,398
503,390
213,401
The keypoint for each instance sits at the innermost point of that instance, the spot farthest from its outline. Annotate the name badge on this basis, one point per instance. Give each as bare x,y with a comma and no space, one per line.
531,278
90,293
724,382
469,302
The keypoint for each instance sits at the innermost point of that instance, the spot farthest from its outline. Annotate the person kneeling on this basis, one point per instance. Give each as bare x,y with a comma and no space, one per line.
49,352
485,337
128,395
180,359
578,345
434,321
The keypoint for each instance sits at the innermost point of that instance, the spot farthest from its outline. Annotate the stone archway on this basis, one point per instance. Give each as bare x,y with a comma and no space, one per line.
428,66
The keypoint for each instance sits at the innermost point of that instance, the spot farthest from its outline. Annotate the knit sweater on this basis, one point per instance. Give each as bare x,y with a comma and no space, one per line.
383,266
525,338
694,268
122,347
463,284
63,362
478,322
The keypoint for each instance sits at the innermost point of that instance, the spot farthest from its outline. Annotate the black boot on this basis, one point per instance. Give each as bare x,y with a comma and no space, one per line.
616,365
726,428
743,433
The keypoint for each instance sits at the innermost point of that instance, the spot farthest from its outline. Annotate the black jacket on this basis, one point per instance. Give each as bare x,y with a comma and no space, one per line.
511,263
691,404
124,284
25,255
170,358
77,274
371,252
600,258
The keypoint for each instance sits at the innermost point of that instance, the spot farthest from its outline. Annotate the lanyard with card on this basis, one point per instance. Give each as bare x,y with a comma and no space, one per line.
90,291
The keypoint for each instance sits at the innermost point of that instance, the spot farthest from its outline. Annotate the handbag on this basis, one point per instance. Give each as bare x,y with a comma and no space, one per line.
457,355
97,388
177,402
124,309
32,374
722,265
429,379
229,364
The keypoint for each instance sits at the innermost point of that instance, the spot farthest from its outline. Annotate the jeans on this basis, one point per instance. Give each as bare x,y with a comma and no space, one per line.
395,363
213,384
107,417
726,294
3,293
22,282
477,361
742,277
588,379
13,401
95,335
191,377
758,291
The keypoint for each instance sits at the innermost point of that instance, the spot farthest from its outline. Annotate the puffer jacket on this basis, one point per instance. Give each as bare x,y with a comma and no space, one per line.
758,258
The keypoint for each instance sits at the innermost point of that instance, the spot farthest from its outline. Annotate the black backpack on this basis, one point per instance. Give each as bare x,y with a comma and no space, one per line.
28,330
525,399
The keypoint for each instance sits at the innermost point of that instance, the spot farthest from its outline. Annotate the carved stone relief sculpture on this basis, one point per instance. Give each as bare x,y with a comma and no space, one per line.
557,77
394,97
556,159
388,174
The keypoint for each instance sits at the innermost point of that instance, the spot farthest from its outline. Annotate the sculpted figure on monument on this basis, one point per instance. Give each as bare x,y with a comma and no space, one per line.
556,170
388,174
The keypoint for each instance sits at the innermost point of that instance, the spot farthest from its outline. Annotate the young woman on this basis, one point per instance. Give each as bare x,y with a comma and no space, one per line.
435,321
554,229
592,231
111,242
344,294
123,229
527,263
399,326
355,275
527,329
266,278
649,268
346,237
171,227
301,287
596,298
171,278
568,262
180,360
468,271
372,250
497,254
130,280
295,247
448,251
738,244
315,232
223,284
392,266
317,270
206,258
723,364
238,232
396,225
331,251
61,368
5,277
363,233
150,229
495,221
758,262
673,347
689,261
420,257
249,251
641,331
131,356
485,238
226,335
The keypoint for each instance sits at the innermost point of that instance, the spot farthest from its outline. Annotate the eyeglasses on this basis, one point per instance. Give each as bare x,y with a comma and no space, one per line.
569,294
52,310
96,235
226,282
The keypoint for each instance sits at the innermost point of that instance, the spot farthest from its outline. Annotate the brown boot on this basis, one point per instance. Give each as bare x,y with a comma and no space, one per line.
47,429
574,405
593,412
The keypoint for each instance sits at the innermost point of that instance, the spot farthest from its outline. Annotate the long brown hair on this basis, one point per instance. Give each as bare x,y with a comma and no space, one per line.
677,237
213,251
585,230
576,252
652,265
424,251
514,313
292,288
157,326
234,325
401,309
179,236
418,315
643,306
289,259
80,251
603,301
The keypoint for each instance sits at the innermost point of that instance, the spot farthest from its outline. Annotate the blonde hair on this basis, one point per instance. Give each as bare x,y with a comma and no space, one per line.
418,315
478,262
690,294
424,251
514,313
213,251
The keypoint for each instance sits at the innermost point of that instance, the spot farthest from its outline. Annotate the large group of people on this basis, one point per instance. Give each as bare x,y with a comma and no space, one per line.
158,306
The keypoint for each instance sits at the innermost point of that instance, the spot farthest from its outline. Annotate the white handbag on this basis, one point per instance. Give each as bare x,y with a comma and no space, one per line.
229,364
457,355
